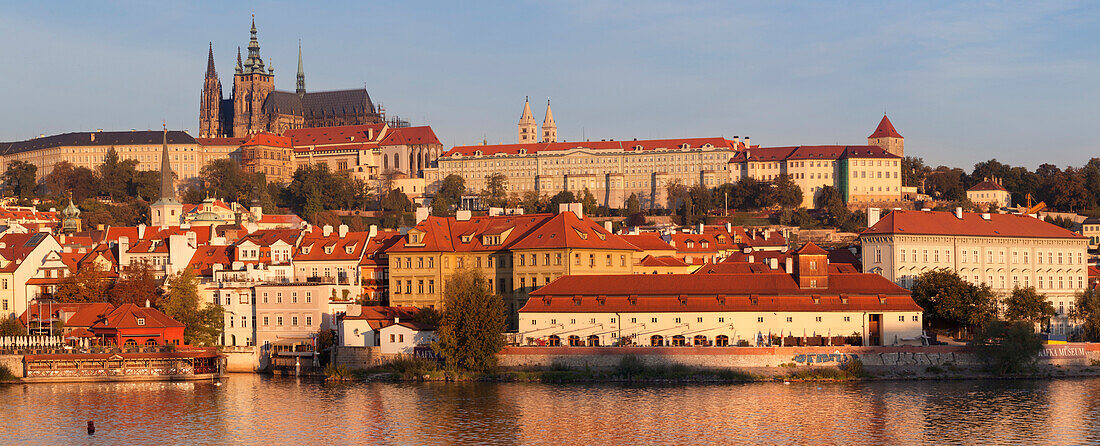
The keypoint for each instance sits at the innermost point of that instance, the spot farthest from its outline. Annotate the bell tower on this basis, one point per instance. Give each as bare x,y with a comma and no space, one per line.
549,128
251,85
528,130
210,103
887,138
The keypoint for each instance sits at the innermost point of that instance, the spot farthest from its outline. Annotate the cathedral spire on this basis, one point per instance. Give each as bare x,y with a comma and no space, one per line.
210,63
254,64
528,130
301,84
549,127
240,68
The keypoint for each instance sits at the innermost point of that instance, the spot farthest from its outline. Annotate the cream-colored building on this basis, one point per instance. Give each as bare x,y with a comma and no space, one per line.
88,149
1003,251
990,191
805,303
859,173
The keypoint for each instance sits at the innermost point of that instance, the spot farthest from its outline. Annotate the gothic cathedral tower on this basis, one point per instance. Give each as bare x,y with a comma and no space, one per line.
549,128
887,138
251,85
210,104
528,130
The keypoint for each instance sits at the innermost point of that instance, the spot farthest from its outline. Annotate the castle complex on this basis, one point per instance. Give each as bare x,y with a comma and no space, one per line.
256,106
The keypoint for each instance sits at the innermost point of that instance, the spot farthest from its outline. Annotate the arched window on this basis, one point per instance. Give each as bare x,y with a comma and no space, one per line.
721,340
678,341
385,162
396,162
130,343
657,340
699,341
593,341
151,343
575,341
554,341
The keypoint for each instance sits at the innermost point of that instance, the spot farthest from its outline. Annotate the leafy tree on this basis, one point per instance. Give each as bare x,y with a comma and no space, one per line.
562,197
702,198
449,195
430,316
12,327
829,198
532,202
786,193
496,190
116,175
394,205
473,320
1086,309
1027,305
945,184
64,179
1008,347
315,188
949,300
675,192
145,185
136,284
323,218
588,202
633,206
20,179
913,172
89,284
202,323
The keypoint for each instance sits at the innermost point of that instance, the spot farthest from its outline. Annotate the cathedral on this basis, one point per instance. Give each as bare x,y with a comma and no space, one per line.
256,106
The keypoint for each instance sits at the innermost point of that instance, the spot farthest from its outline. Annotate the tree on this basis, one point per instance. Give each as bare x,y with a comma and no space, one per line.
1086,309
633,206
949,300
136,284
449,195
561,198
116,175
588,203
1007,347
223,178
12,327
532,202
1027,305
945,184
202,323
496,190
913,172
394,206
473,321
20,179
829,198
786,193
675,192
89,284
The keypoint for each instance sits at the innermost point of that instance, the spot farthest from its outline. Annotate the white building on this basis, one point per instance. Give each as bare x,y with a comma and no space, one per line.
807,302
990,191
1003,251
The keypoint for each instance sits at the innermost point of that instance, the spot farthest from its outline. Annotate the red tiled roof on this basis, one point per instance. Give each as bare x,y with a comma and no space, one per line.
207,256
83,314
385,313
647,241
972,224
566,230
662,261
345,134
202,233
410,136
267,237
811,248
338,246
885,129
126,316
221,141
987,185
810,153
650,144
715,292
268,140
281,219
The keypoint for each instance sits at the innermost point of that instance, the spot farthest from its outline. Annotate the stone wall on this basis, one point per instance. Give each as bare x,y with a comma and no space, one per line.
242,359
359,357
14,363
759,357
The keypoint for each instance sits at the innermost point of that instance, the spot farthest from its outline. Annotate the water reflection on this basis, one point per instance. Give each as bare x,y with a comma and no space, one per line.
252,409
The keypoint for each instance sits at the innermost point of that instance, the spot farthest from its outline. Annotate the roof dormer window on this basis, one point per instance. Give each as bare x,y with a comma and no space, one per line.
689,244
141,321
466,239
328,249
306,249
349,249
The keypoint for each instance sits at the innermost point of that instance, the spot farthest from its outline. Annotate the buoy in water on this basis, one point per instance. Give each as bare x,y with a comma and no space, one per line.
91,427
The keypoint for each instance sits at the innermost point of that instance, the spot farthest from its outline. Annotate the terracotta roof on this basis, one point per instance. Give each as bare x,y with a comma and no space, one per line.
345,134
987,185
810,153
385,313
650,144
662,261
566,230
647,241
811,248
267,237
281,219
885,129
126,316
221,141
972,224
338,247
83,314
530,231
715,292
268,140
202,233
206,257
410,136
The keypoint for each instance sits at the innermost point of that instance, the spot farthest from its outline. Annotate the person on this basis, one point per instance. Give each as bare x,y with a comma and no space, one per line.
91,427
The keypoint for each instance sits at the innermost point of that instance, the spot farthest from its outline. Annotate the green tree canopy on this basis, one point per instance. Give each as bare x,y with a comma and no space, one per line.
89,284
449,196
949,300
1086,310
1027,305
473,322
20,180
786,193
496,190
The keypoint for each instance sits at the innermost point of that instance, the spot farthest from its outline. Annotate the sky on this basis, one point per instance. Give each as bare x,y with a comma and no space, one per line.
962,81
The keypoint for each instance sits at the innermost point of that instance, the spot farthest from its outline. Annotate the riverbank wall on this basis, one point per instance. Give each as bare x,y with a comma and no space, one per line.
243,359
748,358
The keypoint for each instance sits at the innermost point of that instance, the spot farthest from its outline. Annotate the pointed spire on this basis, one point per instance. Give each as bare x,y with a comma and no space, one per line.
885,129
526,116
254,63
210,63
167,192
549,120
301,84
239,68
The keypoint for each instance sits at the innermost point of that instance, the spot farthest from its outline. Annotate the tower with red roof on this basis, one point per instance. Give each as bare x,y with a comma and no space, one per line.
887,138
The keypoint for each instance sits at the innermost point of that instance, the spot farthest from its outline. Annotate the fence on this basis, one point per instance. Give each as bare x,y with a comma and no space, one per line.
40,342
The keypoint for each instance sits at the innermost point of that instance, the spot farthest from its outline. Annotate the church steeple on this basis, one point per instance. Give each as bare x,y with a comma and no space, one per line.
528,130
254,64
301,84
167,191
210,73
210,103
549,128
240,68
167,210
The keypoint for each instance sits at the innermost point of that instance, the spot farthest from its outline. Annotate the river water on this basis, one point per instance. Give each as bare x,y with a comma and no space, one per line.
253,409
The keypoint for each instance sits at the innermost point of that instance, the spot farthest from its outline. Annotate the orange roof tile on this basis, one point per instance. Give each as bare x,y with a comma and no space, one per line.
972,224
885,129
651,144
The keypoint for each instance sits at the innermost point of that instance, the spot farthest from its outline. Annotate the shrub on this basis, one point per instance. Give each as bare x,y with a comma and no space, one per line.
1007,347
338,372
855,368
629,366
6,374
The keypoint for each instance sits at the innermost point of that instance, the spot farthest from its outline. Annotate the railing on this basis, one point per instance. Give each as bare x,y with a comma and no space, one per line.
39,342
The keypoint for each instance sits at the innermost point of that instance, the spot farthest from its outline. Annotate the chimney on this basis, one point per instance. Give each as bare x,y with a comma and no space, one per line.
985,216
373,231
789,264
873,214
493,212
773,263
141,231
752,258
729,227
397,319
344,230
462,215
576,208
959,213
607,226
422,214
326,230
699,228
257,212
746,141
93,137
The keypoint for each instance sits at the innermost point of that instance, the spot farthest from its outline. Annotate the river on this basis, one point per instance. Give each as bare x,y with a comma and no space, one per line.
254,409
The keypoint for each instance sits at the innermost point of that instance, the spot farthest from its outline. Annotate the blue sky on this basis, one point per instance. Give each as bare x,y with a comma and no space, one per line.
963,82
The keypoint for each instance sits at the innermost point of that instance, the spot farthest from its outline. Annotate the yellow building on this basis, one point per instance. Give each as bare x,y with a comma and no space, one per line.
88,149
516,253
859,173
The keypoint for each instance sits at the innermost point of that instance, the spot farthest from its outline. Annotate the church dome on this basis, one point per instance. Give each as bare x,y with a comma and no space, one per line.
70,211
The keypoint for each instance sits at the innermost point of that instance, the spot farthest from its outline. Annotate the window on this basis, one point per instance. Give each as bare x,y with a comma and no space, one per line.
141,321
790,319
279,321
677,320
266,321
431,286
916,318
817,319
760,319
847,319
294,321
901,318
